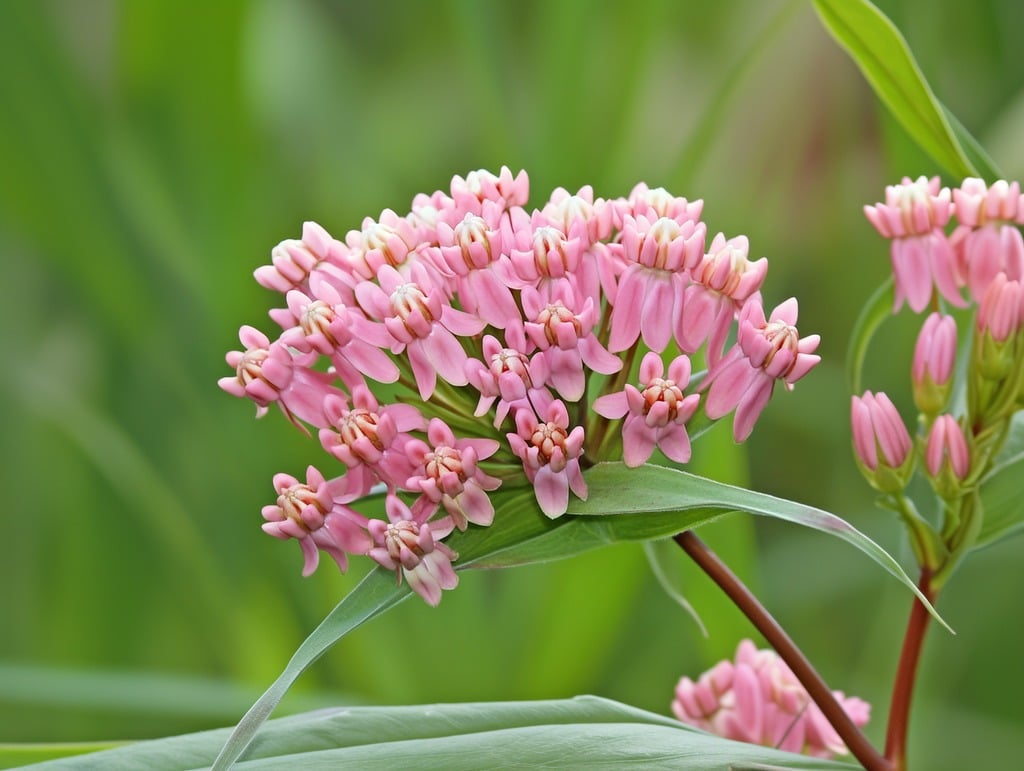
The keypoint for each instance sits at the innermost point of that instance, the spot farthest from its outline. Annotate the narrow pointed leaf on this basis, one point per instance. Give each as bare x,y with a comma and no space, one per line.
886,62
371,597
593,732
621,495
662,554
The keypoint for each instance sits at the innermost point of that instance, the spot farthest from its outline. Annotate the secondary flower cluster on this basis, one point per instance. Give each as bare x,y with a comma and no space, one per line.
933,263
757,699
560,324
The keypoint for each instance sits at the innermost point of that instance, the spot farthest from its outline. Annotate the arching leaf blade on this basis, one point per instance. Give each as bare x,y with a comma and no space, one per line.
885,60
619,493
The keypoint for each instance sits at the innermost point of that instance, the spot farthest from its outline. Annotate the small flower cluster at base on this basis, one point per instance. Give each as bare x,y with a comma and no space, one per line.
757,699
474,307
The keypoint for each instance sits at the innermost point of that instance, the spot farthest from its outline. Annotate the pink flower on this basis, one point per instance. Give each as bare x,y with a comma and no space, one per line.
294,261
758,700
448,475
312,513
913,216
391,240
266,372
422,322
562,328
508,375
723,282
329,327
767,351
550,455
542,251
480,186
409,548
658,202
472,250
657,415
370,440
947,446
650,292
580,213
987,242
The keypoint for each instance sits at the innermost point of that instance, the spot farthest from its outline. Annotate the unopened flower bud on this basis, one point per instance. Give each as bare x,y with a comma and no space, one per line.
881,442
934,357
999,321
946,456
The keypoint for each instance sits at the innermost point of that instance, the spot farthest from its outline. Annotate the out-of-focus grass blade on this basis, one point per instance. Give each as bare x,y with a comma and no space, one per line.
20,755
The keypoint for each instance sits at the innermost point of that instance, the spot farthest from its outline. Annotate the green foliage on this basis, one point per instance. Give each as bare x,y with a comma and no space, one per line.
153,153
587,732
625,504
883,56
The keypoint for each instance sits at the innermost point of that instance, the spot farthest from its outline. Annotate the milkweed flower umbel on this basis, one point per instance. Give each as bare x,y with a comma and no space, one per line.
757,699
472,345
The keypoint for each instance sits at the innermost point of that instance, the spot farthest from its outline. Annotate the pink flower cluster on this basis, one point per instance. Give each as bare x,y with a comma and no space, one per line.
985,243
757,699
474,306
984,254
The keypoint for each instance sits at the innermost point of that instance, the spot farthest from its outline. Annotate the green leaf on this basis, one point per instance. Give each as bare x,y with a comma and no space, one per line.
638,504
590,731
662,556
1002,505
877,309
623,497
885,59
371,597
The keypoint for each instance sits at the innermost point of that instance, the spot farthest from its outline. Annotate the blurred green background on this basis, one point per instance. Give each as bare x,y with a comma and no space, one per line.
152,153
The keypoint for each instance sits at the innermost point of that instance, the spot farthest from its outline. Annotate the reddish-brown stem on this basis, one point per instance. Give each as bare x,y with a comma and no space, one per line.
758,615
906,673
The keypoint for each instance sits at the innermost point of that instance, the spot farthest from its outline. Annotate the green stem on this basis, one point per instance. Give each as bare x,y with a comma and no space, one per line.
928,547
758,615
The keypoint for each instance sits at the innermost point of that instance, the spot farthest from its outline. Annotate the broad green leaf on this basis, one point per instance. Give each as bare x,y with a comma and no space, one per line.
876,310
623,497
884,58
592,732
1002,505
